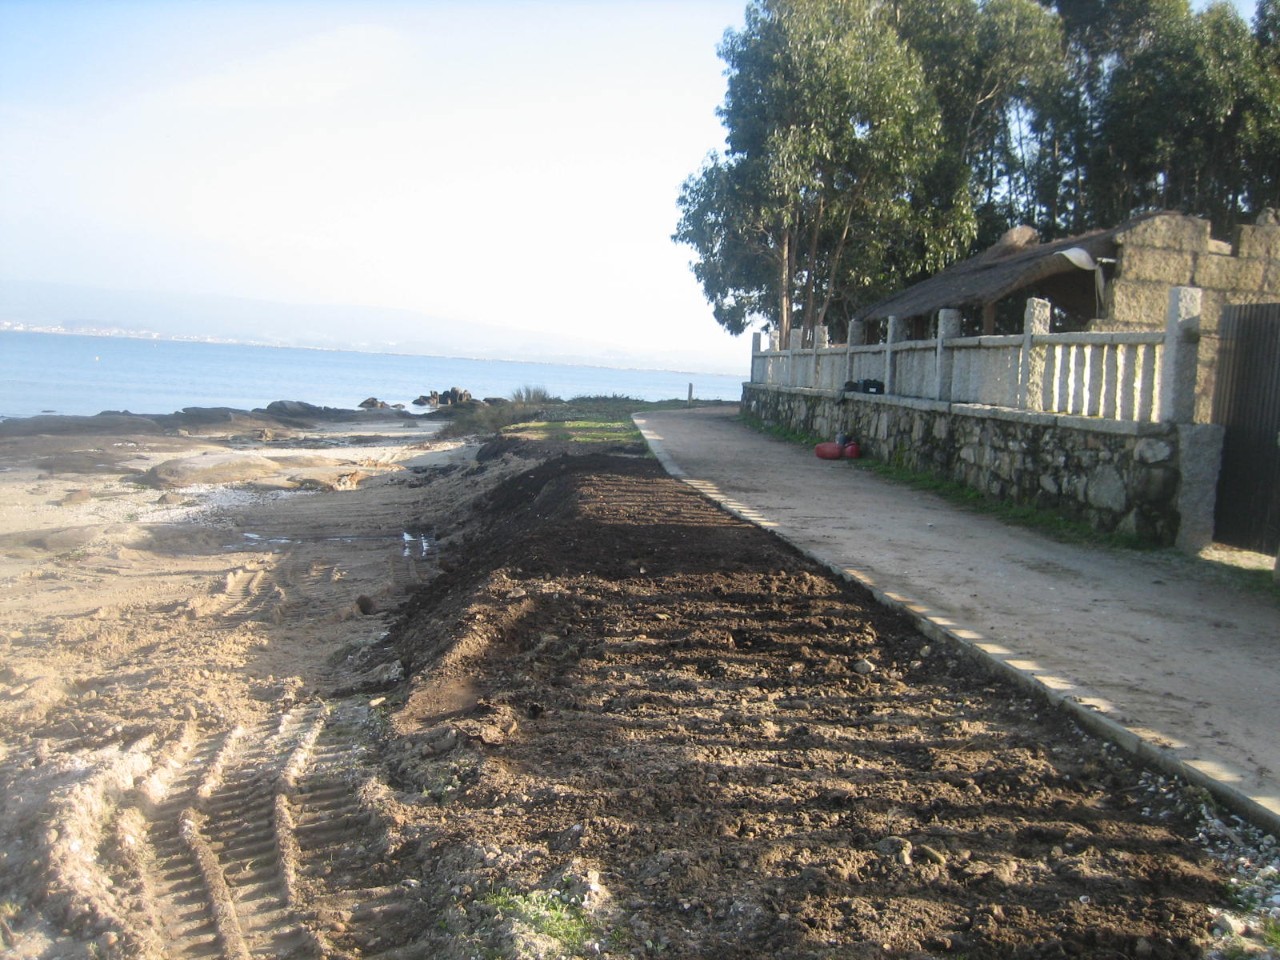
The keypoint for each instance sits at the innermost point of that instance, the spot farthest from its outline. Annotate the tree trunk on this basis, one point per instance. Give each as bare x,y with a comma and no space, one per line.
810,321
835,264
784,291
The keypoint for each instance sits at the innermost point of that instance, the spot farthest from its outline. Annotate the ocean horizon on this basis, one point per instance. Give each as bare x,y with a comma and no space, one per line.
83,375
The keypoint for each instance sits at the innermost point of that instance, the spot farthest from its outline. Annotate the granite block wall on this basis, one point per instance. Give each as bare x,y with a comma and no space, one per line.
1154,481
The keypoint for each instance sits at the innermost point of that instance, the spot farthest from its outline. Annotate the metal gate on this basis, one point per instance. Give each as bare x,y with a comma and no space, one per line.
1246,402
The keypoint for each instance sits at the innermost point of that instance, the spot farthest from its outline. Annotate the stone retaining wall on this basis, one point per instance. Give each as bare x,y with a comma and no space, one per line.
1154,481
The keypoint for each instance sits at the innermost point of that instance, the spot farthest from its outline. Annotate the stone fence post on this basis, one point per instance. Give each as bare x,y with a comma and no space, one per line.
1035,323
897,332
949,321
856,337
1181,349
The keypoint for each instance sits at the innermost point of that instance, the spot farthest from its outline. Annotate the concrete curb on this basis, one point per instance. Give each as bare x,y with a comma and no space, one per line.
1073,701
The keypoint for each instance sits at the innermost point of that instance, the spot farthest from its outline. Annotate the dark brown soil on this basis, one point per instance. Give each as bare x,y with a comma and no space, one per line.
637,725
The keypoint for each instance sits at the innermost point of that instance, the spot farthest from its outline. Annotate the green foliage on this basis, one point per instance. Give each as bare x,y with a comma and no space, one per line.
579,431
871,143
605,417
1181,120
491,418
546,914
830,128
527,394
1271,933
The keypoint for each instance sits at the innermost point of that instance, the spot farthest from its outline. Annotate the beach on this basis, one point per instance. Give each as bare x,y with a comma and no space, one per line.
334,687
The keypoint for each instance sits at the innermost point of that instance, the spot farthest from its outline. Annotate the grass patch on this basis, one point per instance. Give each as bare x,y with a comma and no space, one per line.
529,394
578,431
1271,933
545,914
596,419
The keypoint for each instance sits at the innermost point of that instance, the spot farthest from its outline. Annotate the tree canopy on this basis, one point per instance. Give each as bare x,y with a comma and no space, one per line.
871,142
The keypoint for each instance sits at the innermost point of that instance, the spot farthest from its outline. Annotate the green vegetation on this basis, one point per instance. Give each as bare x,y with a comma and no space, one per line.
528,394
578,431
1271,933
871,143
597,419
546,914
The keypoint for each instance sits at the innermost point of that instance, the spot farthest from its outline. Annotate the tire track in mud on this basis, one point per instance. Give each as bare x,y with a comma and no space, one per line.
260,841
294,584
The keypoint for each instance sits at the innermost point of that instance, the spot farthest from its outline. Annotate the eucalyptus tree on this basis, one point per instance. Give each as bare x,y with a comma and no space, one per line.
1183,117
990,65
1262,159
830,125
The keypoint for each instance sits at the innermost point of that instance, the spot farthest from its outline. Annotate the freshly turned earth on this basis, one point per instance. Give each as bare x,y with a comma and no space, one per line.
619,682
519,701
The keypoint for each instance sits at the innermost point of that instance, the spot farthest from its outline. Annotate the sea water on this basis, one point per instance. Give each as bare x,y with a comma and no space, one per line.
84,375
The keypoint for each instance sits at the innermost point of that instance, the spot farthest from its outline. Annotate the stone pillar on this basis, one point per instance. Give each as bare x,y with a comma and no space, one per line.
1035,323
822,337
949,322
1199,463
857,337
1178,367
896,332
774,340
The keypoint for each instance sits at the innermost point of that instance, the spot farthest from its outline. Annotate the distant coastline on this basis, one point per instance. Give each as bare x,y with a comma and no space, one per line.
83,374
387,349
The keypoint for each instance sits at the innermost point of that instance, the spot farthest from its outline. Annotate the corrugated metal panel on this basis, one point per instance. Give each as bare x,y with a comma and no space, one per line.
1247,404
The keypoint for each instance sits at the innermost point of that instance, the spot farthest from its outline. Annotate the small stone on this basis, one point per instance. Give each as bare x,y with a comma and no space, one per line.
897,847
864,667
1229,925
932,855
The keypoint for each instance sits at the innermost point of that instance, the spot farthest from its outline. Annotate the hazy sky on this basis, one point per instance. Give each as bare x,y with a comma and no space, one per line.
511,163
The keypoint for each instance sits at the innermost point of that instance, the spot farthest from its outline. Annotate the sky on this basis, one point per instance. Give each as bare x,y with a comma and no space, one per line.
479,177
481,163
